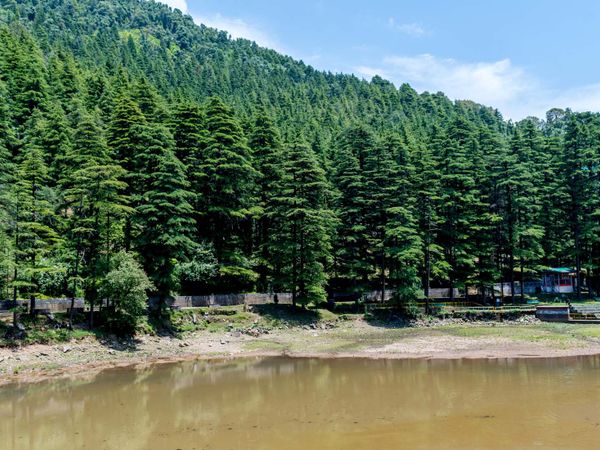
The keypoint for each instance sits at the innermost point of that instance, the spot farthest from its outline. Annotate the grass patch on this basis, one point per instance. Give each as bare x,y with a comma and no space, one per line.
538,333
41,330
265,346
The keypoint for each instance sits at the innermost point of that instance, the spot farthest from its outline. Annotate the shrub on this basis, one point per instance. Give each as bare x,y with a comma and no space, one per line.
125,287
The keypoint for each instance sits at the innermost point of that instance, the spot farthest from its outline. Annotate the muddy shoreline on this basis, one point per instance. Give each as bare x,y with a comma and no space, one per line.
88,357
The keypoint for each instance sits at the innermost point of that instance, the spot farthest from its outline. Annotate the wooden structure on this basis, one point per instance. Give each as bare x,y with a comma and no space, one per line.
561,280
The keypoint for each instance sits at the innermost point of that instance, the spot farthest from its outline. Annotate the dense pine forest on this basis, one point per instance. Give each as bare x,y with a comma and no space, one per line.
141,151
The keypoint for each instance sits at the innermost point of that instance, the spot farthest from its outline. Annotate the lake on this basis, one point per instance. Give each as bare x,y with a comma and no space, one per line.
280,403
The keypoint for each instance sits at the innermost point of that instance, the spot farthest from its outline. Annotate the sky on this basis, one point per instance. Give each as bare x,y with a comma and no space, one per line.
520,56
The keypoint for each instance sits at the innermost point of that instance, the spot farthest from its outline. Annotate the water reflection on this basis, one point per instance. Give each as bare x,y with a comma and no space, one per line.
305,404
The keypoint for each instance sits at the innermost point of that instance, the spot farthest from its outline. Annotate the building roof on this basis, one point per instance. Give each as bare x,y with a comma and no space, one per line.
565,270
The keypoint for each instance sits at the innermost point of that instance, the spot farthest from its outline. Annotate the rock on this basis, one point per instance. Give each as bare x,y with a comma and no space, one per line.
111,352
66,349
184,344
1,360
223,342
41,354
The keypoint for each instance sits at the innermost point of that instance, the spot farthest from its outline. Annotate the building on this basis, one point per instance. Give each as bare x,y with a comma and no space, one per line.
560,280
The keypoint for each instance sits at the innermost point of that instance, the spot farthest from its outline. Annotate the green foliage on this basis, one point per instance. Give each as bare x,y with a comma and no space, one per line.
198,274
304,227
225,167
126,288
226,193
164,213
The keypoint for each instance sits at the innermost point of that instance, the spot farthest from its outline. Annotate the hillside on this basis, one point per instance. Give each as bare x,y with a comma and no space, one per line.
132,140
183,59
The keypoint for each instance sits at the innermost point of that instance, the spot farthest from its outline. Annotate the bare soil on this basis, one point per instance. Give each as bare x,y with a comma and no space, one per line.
349,339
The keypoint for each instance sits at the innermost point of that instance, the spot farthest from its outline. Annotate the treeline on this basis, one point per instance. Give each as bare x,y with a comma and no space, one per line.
135,137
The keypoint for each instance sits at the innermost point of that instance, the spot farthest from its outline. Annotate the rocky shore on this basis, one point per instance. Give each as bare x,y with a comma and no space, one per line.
431,339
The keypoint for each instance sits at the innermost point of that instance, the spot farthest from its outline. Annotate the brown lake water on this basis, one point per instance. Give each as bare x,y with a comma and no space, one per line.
281,403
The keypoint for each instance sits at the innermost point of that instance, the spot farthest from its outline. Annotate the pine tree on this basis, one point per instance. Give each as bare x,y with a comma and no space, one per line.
488,217
7,178
580,165
394,223
266,147
523,234
25,76
94,205
353,262
34,232
458,203
226,193
126,144
165,217
148,100
304,227
426,186
7,166
190,135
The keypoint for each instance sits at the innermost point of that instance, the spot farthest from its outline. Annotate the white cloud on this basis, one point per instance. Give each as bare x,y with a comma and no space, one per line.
239,28
489,83
499,84
369,72
410,29
178,4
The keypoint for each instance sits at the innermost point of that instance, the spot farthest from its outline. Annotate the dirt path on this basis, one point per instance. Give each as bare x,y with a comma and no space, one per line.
354,339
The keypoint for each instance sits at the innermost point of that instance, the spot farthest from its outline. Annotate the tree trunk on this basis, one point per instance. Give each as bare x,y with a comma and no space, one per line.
74,292
427,268
92,302
578,263
16,319
383,280
511,268
522,281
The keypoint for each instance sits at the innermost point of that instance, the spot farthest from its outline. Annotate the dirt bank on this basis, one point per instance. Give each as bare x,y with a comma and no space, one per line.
350,339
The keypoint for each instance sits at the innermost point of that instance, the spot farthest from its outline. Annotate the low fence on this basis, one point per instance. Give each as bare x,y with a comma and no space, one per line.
194,301
529,287
58,305
197,301
53,305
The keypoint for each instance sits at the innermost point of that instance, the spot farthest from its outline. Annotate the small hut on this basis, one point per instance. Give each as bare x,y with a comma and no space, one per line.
559,280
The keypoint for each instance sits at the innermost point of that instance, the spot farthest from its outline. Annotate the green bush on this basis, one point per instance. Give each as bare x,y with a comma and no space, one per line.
125,287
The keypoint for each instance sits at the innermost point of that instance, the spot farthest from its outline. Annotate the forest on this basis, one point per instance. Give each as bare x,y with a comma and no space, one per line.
142,152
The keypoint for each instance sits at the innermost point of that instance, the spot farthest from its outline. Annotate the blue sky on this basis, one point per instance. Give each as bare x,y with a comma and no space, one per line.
522,57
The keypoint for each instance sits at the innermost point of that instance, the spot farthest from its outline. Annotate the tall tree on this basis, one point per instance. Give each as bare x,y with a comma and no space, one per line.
304,227
580,165
227,190
34,233
458,203
353,262
165,218
94,206
266,147
126,144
